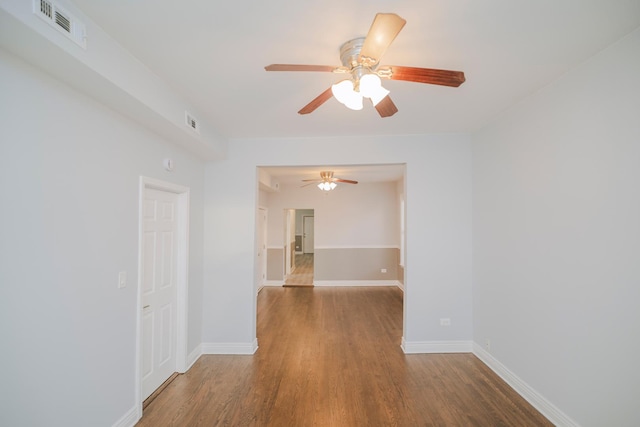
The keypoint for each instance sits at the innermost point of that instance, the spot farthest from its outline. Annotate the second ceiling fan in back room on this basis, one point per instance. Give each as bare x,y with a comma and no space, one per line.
360,59
327,181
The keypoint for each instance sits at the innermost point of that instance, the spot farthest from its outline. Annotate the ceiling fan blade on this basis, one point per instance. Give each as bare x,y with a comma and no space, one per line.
383,31
308,183
423,75
299,67
386,107
318,101
348,181
311,180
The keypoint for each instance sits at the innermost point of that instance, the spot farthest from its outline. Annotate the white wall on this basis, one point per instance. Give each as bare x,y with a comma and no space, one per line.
68,225
556,223
107,72
438,263
350,216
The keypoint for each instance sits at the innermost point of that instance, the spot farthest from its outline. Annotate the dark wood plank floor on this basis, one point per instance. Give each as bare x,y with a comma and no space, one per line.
332,357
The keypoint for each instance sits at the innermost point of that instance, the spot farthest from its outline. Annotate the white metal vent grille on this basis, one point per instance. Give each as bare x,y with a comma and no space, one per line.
61,20
45,8
192,122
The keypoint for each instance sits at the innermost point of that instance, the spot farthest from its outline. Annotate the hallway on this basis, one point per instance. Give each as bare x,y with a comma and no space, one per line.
302,275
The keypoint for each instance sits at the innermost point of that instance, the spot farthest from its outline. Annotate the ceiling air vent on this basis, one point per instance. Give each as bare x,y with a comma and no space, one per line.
192,122
61,20
45,8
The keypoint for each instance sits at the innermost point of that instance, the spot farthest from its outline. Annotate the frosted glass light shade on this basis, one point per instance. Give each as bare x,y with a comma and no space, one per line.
344,93
327,186
342,90
379,95
371,87
354,102
368,84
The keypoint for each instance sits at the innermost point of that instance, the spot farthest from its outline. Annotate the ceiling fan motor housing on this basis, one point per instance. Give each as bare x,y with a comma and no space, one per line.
326,175
350,52
350,58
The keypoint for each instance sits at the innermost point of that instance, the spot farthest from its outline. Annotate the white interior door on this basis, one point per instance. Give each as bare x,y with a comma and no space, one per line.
307,234
159,289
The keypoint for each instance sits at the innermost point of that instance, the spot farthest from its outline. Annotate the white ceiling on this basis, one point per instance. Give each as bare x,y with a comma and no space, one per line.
213,54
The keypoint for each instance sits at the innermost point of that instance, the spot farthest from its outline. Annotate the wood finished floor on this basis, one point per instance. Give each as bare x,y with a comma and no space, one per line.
332,357
302,275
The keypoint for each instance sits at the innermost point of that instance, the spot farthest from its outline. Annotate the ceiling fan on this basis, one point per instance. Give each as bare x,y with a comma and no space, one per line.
327,182
360,59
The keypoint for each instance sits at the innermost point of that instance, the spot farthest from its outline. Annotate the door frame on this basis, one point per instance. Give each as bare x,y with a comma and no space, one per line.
182,267
262,225
289,262
304,237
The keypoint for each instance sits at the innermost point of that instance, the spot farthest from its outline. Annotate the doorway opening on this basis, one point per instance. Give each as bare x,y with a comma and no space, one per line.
300,251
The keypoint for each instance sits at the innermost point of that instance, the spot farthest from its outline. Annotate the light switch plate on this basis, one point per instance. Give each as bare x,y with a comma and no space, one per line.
122,279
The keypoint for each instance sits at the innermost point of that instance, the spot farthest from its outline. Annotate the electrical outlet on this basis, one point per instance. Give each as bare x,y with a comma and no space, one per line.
487,344
383,270
445,321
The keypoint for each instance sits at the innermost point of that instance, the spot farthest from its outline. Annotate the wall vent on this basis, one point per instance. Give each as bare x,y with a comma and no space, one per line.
192,122
61,20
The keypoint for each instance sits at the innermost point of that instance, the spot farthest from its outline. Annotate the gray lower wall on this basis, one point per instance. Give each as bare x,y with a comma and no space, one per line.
343,264
356,263
275,263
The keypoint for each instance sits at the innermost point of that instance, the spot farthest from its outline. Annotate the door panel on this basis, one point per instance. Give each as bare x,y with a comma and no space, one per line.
147,338
159,289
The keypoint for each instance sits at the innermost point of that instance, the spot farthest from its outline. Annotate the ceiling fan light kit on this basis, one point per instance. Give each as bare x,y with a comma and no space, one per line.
327,186
360,58
327,181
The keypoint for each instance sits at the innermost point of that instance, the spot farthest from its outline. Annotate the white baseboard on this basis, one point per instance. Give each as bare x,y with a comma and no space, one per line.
546,408
230,348
415,347
400,285
355,283
129,419
273,283
194,356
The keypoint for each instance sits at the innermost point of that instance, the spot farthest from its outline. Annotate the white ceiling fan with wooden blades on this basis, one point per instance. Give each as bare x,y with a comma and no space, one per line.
360,59
327,181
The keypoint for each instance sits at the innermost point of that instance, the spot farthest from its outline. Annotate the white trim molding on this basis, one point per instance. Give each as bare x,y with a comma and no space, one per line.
546,408
341,283
416,347
194,356
230,348
130,418
273,283
358,247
